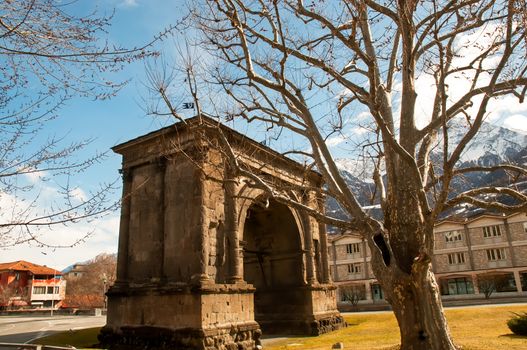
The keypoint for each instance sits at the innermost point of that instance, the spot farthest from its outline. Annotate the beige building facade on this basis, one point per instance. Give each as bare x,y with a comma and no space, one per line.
485,256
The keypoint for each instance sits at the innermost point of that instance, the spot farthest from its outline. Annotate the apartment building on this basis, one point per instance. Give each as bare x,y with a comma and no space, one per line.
24,284
473,258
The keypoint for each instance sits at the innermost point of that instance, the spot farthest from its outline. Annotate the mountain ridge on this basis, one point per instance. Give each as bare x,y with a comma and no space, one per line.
493,145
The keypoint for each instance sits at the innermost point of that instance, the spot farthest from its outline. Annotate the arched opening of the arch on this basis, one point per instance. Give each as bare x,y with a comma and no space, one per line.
272,263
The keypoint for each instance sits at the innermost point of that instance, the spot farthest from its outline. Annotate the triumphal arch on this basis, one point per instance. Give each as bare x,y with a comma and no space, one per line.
207,259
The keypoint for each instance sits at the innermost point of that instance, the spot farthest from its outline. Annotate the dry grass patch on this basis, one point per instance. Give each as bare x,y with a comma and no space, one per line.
485,328
474,328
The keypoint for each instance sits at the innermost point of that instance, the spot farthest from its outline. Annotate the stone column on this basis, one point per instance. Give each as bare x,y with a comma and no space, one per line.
326,277
469,246
336,276
509,243
475,283
203,230
308,249
161,172
124,232
518,281
434,263
231,226
366,272
367,288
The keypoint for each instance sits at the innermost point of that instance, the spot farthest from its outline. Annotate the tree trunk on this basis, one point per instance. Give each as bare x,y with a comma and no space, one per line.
416,302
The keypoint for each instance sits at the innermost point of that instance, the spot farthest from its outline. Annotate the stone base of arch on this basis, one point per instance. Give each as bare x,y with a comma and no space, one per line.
152,337
206,317
311,313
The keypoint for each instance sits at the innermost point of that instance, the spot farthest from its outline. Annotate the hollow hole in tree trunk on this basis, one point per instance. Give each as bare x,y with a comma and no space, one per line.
422,335
381,244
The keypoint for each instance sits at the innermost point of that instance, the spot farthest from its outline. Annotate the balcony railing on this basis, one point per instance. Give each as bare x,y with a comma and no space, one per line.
498,263
458,267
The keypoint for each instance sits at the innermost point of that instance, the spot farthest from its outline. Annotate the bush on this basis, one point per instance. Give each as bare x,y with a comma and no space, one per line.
518,324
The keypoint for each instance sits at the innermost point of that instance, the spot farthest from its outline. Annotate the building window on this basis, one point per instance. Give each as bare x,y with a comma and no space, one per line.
39,290
17,276
456,258
455,286
496,254
376,291
453,236
491,231
525,227
489,283
523,279
353,248
354,268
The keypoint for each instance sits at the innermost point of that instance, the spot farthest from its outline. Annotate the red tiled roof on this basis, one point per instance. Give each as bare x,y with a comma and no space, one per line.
35,269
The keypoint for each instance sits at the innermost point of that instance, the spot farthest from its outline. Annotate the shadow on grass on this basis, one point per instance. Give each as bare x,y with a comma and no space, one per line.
513,336
23,337
81,338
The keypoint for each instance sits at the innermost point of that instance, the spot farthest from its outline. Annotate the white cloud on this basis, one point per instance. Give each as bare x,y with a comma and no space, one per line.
516,122
7,204
335,140
35,176
78,241
361,130
468,47
79,194
129,3
103,239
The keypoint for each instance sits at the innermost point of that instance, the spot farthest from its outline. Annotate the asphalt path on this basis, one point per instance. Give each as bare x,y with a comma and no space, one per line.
25,329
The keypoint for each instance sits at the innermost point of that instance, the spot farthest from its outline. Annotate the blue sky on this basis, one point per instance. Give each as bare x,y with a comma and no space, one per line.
123,117
108,122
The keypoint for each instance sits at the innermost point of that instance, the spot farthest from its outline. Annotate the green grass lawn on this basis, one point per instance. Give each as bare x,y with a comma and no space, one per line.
478,328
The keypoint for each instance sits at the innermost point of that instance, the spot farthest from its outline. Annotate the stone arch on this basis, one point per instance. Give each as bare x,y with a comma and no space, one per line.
248,196
271,236
180,280
280,305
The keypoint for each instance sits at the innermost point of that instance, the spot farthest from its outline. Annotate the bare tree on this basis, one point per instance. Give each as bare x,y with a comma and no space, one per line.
6,295
491,282
353,294
10,294
307,68
48,55
487,285
88,289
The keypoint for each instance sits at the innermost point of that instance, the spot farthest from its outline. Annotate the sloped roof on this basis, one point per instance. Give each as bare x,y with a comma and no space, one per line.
35,269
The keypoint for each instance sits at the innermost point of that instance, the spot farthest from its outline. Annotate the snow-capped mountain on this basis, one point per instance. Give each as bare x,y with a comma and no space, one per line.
492,145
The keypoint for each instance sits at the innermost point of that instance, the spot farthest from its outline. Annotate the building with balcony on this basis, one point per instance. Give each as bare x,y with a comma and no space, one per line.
24,284
484,256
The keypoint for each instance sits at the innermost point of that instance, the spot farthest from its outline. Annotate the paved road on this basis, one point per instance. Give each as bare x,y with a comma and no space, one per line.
24,329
